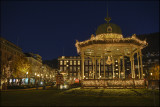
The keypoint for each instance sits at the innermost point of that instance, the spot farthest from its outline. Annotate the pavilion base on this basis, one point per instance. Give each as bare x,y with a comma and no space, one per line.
113,83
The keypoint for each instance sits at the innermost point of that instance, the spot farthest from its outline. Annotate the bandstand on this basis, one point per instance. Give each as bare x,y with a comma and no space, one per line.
109,46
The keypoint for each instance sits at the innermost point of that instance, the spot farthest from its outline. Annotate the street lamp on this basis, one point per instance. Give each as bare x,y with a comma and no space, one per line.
27,77
35,78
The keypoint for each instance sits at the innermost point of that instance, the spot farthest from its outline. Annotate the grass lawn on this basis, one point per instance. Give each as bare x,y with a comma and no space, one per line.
81,97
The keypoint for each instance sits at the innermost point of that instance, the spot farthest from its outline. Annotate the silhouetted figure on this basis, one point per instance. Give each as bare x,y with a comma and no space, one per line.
44,85
37,86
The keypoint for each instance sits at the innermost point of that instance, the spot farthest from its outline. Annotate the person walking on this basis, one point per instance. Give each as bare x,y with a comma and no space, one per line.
44,85
37,86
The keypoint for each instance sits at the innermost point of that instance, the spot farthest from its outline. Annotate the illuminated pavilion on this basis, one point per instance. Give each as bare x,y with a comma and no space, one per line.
110,46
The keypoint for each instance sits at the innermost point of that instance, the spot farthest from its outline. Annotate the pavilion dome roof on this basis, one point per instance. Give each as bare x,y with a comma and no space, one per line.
108,28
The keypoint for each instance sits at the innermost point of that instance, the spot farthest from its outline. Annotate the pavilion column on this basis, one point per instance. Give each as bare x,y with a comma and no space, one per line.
113,68
124,68
139,75
82,66
104,68
133,67
93,66
119,68
141,64
99,67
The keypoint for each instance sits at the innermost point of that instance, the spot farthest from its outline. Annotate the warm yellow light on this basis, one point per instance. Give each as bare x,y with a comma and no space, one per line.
26,72
35,73
151,73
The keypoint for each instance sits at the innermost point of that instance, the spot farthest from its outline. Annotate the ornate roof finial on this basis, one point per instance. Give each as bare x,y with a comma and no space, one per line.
107,18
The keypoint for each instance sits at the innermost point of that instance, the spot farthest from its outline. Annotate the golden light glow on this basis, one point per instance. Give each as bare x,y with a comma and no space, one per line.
110,38
113,83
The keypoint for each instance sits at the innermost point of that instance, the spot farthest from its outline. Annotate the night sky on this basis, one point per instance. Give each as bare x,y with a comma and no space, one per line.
51,28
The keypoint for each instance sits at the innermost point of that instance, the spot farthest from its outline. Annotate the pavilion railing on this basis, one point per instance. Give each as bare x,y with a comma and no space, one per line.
114,83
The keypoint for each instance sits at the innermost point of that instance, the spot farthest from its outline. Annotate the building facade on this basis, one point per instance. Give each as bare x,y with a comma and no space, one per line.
38,71
9,53
72,66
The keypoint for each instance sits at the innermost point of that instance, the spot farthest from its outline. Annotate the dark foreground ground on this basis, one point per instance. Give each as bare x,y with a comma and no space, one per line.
80,97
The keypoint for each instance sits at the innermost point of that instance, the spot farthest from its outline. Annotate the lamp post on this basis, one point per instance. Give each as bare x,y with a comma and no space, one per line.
35,78
67,66
27,77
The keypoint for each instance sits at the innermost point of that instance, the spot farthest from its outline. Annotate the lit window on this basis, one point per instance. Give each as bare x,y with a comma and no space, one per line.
70,62
74,62
78,62
61,62
64,68
86,62
61,68
86,68
74,68
90,62
70,68
79,68
90,68
64,62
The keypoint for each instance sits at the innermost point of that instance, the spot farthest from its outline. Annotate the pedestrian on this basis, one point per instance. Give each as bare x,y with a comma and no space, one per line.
3,86
37,86
44,85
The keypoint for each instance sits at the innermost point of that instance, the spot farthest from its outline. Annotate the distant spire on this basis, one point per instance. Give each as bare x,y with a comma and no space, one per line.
107,18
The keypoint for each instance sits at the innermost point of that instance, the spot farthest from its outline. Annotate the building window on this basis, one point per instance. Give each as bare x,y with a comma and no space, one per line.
64,68
74,68
101,62
90,68
61,68
70,74
78,62
86,62
86,74
64,62
70,68
70,62
90,62
86,68
97,68
78,68
74,62
61,62
102,68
